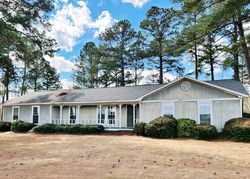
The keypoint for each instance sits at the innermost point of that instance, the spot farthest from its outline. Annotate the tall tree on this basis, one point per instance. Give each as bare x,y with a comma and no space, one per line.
118,39
87,66
159,25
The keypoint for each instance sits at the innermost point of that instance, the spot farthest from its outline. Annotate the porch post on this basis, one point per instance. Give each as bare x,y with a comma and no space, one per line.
60,120
140,112
78,115
100,114
134,113
50,113
120,115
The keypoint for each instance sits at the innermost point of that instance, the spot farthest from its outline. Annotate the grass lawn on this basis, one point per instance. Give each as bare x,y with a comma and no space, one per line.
93,156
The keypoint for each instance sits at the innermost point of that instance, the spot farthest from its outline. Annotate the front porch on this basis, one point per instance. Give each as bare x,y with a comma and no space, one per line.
111,116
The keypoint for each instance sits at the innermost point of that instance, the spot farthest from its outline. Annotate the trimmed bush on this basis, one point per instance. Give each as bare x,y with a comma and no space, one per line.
69,129
21,126
205,132
45,128
162,127
246,115
237,129
5,126
185,127
139,129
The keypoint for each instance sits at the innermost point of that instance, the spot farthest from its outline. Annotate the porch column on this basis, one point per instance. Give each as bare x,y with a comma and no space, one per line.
78,114
134,114
140,112
50,113
60,120
120,115
100,114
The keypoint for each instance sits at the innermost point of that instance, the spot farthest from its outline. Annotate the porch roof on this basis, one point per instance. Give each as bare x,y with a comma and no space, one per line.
91,95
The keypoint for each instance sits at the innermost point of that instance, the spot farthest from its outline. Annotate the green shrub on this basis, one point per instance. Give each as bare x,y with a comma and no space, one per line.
237,129
205,132
185,127
162,127
5,126
69,129
247,115
45,128
139,129
21,126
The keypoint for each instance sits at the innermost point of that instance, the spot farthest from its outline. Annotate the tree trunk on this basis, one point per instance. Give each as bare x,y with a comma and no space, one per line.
236,54
161,70
244,46
122,72
211,59
196,61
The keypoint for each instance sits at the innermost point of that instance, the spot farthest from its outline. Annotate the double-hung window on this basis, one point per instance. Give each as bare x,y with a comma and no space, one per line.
72,119
168,109
101,115
205,112
15,113
111,115
35,114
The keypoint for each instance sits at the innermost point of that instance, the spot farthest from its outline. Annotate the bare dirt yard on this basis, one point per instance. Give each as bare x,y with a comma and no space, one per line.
105,156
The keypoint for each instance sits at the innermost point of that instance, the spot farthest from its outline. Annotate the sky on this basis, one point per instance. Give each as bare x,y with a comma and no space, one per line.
75,22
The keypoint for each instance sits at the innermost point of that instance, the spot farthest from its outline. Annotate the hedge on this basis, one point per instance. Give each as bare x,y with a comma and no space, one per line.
5,126
185,127
139,129
237,129
21,126
162,127
205,132
69,129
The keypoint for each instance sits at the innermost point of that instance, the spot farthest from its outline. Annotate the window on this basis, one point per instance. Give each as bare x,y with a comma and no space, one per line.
102,115
205,109
72,115
168,109
111,115
15,113
35,114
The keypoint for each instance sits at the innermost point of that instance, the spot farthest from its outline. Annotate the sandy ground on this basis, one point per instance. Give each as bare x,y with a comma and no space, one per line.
75,156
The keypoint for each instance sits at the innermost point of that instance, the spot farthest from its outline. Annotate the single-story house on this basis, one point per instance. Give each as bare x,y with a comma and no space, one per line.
207,102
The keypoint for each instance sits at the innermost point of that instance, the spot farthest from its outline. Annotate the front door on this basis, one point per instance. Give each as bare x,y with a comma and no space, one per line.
130,122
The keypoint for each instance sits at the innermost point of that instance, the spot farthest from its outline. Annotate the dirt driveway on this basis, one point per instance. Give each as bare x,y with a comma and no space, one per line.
73,156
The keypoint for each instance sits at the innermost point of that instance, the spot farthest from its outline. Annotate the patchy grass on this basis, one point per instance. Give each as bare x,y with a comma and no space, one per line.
107,156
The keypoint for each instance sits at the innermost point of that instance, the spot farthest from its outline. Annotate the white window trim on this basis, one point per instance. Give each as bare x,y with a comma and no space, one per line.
172,103
106,120
69,115
210,102
38,108
13,113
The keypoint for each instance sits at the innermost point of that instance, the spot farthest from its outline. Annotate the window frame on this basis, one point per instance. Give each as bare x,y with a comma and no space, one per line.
168,103
210,104
112,111
32,114
70,115
12,115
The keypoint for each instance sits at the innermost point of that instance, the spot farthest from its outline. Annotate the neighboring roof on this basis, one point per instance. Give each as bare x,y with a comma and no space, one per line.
91,95
230,84
118,94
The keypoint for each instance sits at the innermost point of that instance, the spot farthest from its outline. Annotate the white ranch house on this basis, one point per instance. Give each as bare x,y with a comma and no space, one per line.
211,102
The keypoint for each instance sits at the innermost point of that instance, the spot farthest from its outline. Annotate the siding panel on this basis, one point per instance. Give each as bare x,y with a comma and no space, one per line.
186,109
196,91
7,113
151,111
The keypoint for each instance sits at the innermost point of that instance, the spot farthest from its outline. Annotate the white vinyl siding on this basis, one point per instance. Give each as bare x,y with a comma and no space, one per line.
168,109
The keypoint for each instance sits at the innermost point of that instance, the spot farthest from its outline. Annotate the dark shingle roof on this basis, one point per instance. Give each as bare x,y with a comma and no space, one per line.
233,85
107,94
87,95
